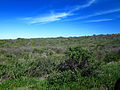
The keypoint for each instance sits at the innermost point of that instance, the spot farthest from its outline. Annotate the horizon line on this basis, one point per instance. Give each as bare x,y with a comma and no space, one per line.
59,36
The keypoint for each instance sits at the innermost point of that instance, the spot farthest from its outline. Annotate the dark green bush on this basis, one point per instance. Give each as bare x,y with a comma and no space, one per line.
64,77
10,55
78,53
105,80
77,59
3,51
112,57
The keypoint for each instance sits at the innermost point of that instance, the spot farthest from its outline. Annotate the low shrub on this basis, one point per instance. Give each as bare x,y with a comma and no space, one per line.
64,77
79,59
3,51
41,66
37,50
112,57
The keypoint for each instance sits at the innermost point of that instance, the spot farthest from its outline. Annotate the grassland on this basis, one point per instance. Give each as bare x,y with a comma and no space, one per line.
73,63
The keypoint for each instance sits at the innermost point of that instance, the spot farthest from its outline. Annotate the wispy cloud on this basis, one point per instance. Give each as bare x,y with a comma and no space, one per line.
99,20
56,16
49,18
96,14
82,6
107,12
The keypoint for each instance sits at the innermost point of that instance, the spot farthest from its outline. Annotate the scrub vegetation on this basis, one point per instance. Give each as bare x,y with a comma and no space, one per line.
73,63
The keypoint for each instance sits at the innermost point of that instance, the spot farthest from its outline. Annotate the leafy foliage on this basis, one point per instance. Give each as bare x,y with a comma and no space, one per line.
78,53
112,57
79,59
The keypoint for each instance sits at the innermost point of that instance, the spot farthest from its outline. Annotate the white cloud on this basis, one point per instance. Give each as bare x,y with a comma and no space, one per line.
49,18
56,16
83,6
107,12
96,14
99,20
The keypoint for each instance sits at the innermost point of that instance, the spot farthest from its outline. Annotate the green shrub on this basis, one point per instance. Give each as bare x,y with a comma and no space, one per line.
36,50
2,51
112,57
110,75
2,44
41,66
75,81
78,53
64,77
78,59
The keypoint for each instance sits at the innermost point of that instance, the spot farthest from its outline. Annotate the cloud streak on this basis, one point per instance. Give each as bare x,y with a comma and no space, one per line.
96,14
49,18
99,20
56,16
82,6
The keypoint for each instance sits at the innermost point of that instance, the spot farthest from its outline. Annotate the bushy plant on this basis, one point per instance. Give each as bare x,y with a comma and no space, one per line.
37,50
78,53
41,66
112,57
77,59
3,51
110,75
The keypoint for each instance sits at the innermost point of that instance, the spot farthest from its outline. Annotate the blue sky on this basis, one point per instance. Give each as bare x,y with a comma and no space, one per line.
54,18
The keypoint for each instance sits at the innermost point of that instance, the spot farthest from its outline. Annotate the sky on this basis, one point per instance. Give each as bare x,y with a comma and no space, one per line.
58,18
